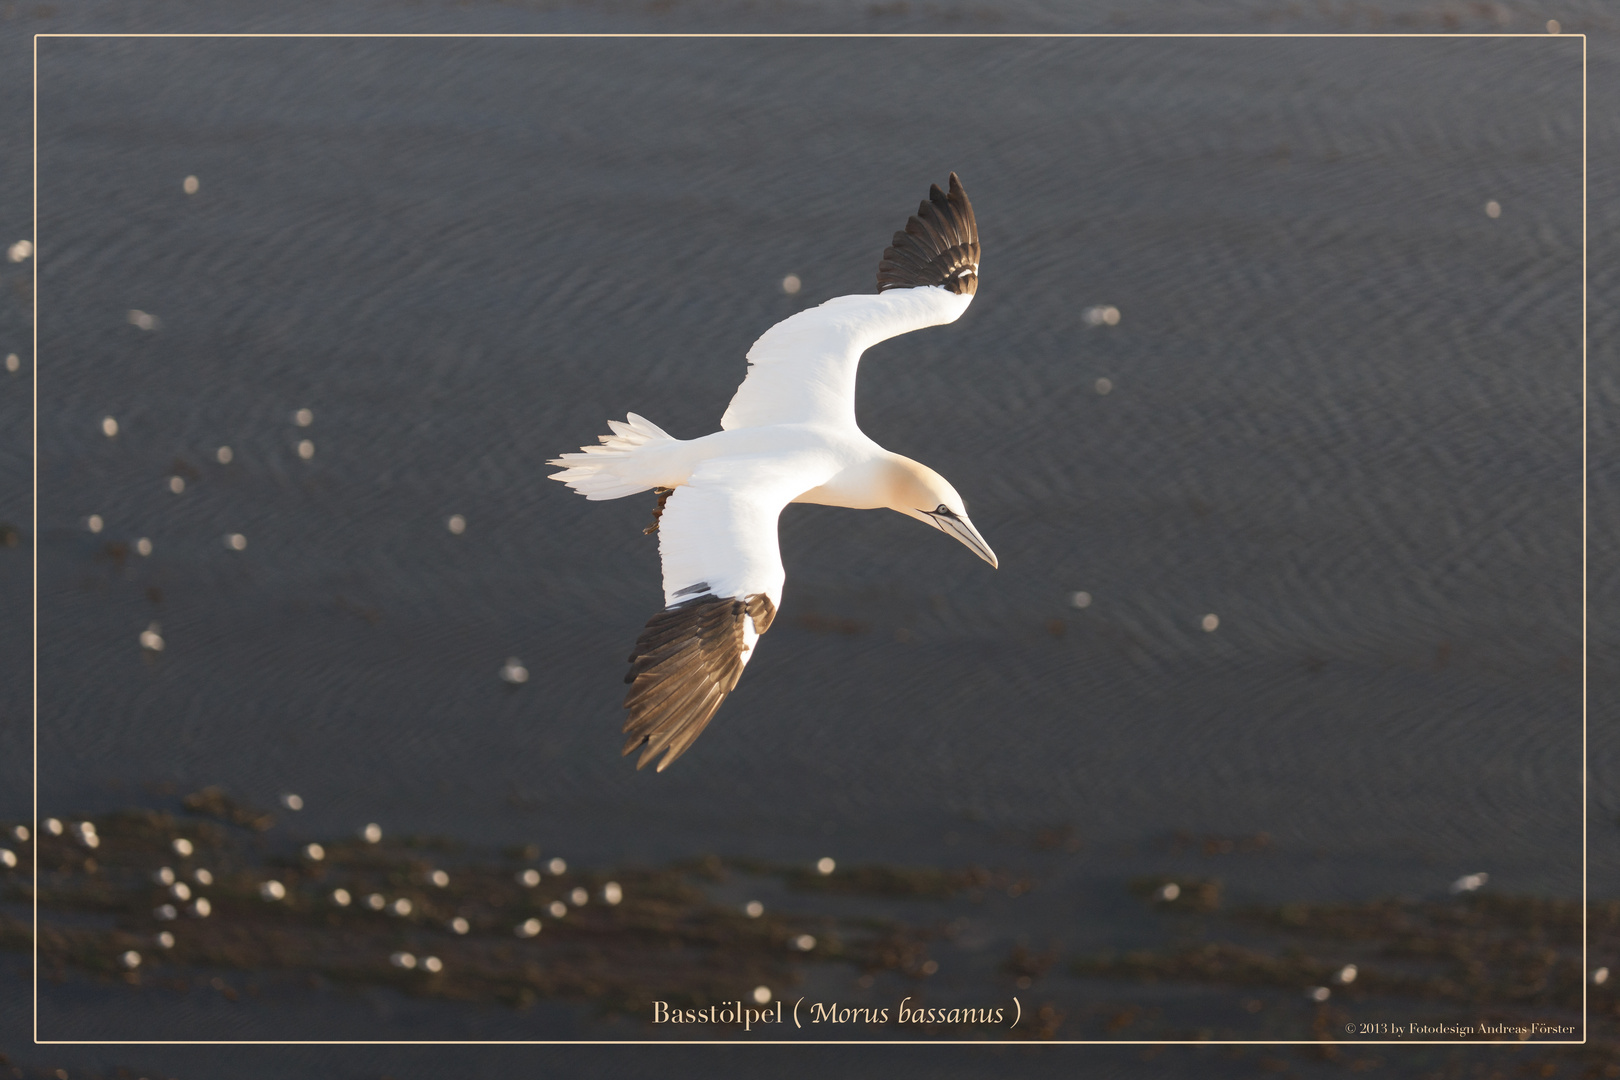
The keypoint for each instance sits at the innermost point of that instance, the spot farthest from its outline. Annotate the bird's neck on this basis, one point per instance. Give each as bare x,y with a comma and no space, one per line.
867,485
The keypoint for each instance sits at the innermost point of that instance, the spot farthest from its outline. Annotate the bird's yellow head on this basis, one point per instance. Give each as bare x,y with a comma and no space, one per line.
918,491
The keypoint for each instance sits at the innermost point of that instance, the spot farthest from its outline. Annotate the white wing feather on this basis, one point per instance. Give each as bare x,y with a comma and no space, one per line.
802,370
718,529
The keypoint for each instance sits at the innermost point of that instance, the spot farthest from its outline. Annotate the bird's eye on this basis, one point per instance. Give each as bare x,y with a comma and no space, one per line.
945,511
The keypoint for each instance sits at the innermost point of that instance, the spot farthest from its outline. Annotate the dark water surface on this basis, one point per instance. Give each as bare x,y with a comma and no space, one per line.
1345,417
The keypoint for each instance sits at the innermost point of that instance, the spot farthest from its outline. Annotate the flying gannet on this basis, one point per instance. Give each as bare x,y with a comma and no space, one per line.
788,436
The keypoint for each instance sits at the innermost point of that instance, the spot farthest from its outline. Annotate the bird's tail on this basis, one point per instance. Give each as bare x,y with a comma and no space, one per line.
625,463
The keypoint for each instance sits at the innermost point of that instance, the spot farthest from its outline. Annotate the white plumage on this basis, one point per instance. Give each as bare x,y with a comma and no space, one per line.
789,435
802,370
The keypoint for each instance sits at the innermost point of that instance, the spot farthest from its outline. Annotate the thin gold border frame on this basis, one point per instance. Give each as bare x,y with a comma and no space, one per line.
746,1041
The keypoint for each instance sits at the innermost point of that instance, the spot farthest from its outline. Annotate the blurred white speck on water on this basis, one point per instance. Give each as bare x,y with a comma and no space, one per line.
791,284
190,185
109,426
20,251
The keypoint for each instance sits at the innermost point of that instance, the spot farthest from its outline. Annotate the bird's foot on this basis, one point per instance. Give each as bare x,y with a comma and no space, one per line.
658,511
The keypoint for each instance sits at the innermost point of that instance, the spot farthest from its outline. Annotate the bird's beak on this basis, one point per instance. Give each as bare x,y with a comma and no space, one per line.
963,530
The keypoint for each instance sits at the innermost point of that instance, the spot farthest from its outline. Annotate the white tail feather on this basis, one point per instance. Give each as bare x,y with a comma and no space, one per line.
621,465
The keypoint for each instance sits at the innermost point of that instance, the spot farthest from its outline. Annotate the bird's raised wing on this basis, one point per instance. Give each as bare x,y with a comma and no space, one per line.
722,583
802,370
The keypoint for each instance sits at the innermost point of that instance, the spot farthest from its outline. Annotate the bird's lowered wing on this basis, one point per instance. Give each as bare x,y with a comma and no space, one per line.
722,583
802,370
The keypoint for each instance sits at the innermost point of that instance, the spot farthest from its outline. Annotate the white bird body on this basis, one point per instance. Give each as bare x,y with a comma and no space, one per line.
789,435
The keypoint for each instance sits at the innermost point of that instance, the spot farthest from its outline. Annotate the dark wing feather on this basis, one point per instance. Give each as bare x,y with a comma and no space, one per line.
687,659
940,245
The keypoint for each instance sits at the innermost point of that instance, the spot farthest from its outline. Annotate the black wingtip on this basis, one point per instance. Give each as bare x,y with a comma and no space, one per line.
940,245
687,659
